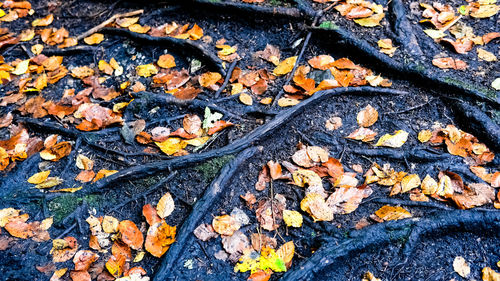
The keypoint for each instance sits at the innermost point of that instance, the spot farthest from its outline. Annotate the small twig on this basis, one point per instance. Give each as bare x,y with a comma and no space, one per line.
106,22
226,80
450,24
412,108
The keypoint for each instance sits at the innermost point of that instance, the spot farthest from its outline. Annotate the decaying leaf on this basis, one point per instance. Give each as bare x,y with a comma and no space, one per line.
159,238
367,117
130,234
205,232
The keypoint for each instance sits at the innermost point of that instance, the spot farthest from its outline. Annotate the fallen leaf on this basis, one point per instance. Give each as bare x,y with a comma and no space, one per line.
39,177
346,200
333,123
209,79
367,117
94,39
286,253
165,205
388,213
396,140
485,55
292,218
130,234
245,99
285,102
204,232
225,225
285,66
43,21
159,238
449,63
146,70
424,136
461,267
110,224
490,275
314,204
363,134
410,182
166,61
83,259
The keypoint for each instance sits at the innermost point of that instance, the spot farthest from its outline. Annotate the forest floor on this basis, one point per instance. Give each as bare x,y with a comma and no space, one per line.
275,140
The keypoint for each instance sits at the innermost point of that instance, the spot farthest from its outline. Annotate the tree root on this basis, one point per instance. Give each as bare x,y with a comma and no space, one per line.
182,45
69,51
422,76
252,9
379,235
196,103
202,207
238,145
226,80
106,22
403,29
478,123
414,155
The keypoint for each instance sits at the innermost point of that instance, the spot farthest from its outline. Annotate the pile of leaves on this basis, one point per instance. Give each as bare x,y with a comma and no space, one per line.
113,244
443,18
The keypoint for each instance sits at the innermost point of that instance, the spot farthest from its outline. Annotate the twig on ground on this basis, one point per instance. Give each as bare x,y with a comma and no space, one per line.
108,21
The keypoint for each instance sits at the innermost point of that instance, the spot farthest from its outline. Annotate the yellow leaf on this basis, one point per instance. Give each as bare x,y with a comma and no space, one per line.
103,173
461,267
315,205
292,218
485,11
146,70
21,67
370,21
197,141
246,99
445,187
110,224
424,136
46,223
370,277
165,205
69,189
126,22
139,256
166,61
49,182
94,39
171,145
226,50
434,33
27,35
39,177
43,21
410,182
396,140
285,66
485,55
225,225
137,28
429,185
490,275
119,106
389,213
285,102
208,79
6,214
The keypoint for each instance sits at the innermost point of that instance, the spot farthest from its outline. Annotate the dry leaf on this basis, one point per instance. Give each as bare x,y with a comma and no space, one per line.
130,234
165,205
94,39
292,218
225,225
367,117
388,213
285,66
39,177
396,140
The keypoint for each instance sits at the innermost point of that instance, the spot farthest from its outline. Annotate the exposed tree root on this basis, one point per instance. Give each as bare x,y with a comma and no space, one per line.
199,104
382,234
413,155
203,205
238,145
403,29
185,46
478,123
254,10
69,51
421,75
226,79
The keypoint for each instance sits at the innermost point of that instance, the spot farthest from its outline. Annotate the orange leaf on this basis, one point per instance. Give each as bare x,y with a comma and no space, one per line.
115,265
166,61
218,126
274,169
130,234
83,259
159,238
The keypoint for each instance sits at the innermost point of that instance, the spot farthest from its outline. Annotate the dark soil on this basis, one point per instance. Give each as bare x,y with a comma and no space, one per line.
427,96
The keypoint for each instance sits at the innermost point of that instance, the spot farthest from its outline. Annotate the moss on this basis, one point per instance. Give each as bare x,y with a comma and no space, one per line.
64,205
211,168
469,86
420,67
328,25
277,3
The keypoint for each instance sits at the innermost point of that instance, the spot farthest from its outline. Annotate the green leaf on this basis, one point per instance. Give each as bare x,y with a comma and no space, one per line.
210,118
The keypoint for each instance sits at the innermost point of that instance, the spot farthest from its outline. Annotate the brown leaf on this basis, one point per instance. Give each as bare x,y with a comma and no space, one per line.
346,200
367,117
205,232
83,259
268,216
